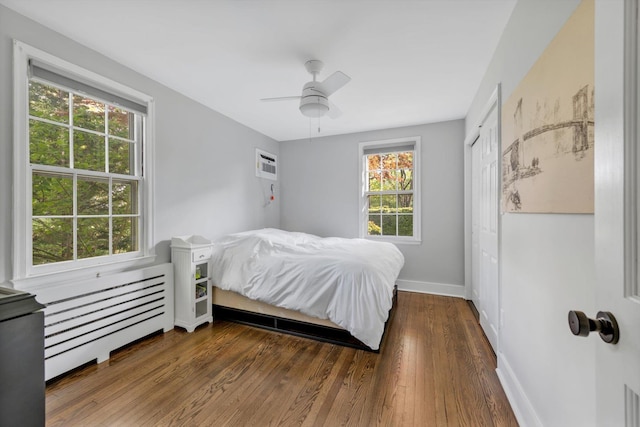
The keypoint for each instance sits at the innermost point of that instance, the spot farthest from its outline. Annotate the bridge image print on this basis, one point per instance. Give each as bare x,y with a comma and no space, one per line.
550,148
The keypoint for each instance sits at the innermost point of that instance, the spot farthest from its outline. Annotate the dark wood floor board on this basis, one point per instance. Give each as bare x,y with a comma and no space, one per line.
424,388
314,379
446,410
321,408
136,386
119,384
268,406
495,398
347,407
470,401
388,388
219,393
148,397
435,368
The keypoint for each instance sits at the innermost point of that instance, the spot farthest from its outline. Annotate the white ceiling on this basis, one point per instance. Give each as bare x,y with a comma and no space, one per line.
411,62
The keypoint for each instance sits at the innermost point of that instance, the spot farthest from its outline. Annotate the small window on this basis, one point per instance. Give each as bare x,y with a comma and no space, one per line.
79,169
390,199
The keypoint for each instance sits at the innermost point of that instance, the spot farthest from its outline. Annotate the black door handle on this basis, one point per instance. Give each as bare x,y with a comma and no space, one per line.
605,323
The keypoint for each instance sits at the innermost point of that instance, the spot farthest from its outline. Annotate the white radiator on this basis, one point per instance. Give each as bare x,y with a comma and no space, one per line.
85,321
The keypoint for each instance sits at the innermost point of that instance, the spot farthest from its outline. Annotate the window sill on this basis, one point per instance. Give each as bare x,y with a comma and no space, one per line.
45,280
394,240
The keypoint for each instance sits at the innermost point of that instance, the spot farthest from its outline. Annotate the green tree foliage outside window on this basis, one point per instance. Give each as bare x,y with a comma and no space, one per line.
84,189
390,193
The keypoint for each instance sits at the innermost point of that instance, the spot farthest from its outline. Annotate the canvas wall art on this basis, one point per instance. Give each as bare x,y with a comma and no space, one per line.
547,126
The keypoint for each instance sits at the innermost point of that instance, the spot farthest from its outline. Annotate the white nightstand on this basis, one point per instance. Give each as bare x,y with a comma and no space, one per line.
191,258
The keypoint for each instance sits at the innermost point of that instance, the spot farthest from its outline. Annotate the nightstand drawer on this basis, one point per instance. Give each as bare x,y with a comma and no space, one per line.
201,254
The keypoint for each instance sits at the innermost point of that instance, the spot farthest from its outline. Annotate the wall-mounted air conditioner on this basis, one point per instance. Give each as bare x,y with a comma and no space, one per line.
266,165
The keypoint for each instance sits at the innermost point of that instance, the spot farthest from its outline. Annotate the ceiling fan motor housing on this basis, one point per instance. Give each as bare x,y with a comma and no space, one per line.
313,103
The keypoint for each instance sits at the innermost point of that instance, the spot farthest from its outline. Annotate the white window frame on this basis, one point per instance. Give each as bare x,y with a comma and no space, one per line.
363,217
26,275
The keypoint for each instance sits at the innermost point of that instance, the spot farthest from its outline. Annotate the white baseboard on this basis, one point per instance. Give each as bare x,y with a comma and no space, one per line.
431,288
522,407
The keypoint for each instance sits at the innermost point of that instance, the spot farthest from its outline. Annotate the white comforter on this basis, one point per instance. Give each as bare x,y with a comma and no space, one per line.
348,281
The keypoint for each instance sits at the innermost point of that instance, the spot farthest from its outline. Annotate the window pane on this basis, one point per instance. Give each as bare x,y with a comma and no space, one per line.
389,203
88,151
373,162
375,203
88,114
389,225
375,181
389,179
93,196
51,194
405,203
48,102
93,237
120,157
120,123
405,160
390,161
405,179
125,235
374,228
125,197
52,240
48,144
405,225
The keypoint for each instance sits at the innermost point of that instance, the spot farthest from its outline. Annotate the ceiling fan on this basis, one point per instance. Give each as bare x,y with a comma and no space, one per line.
314,101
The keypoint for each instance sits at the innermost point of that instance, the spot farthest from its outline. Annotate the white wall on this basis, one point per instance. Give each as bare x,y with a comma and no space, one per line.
320,195
204,161
547,261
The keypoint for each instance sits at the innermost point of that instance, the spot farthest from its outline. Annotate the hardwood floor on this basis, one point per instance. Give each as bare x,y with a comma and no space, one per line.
435,369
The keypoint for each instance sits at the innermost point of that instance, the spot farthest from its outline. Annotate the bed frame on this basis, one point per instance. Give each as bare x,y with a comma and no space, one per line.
233,307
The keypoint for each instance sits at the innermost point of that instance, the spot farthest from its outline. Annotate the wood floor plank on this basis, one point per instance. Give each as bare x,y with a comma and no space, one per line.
321,408
435,368
229,385
147,400
386,392
423,332
317,375
493,393
468,388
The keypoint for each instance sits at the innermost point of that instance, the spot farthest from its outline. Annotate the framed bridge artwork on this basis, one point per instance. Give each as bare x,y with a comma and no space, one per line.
547,126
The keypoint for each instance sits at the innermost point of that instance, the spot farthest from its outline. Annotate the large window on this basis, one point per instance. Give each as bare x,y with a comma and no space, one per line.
79,166
390,198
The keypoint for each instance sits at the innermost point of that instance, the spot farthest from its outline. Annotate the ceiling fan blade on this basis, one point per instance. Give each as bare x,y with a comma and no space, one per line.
281,98
334,112
334,82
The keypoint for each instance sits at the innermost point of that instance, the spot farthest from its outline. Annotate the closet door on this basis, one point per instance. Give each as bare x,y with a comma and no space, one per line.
485,263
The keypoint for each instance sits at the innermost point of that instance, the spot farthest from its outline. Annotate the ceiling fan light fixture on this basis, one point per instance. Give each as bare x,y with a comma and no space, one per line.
314,101
314,106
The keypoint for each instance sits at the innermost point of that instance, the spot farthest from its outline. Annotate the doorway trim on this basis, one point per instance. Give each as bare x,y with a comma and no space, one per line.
494,101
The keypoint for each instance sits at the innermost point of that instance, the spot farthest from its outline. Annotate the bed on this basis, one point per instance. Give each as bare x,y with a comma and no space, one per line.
332,289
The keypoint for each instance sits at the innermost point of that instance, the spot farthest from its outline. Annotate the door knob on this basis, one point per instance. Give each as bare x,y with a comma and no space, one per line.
605,323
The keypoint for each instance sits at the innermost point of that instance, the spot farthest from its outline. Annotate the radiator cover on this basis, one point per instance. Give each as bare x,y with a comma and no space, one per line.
85,321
